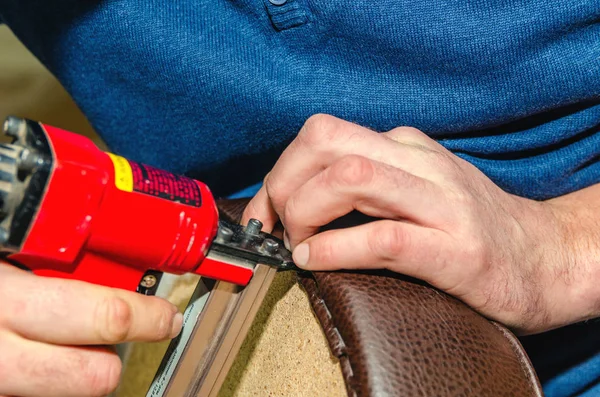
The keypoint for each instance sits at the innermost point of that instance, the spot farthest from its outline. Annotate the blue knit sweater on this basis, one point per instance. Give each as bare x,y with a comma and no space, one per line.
216,89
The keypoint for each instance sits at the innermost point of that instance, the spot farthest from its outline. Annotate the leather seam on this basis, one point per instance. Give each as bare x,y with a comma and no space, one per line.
336,342
523,359
342,348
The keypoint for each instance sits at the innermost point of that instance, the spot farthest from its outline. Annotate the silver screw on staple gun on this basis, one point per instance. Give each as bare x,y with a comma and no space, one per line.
251,244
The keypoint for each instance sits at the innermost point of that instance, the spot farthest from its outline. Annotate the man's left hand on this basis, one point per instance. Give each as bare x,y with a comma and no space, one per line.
442,221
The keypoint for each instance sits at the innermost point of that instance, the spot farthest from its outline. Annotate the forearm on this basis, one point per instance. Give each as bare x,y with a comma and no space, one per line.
578,227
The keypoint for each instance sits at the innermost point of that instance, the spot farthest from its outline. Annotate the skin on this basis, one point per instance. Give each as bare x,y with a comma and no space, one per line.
528,264
56,338
531,265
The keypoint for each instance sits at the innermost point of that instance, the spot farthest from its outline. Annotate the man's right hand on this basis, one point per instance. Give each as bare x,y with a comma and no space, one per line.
56,335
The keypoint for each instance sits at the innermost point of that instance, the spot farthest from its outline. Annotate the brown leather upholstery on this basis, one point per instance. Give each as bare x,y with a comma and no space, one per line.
232,209
395,336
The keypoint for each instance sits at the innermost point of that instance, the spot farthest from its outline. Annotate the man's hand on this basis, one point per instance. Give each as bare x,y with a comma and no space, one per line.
442,221
54,334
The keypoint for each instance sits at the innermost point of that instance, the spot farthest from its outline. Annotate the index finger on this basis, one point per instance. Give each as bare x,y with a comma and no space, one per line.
297,164
325,139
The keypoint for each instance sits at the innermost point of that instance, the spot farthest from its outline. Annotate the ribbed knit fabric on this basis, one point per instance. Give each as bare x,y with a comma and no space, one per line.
216,89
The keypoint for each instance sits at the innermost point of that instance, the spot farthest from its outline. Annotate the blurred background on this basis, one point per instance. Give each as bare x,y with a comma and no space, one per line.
27,89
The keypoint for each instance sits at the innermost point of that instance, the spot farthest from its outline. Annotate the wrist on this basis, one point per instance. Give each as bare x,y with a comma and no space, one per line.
573,257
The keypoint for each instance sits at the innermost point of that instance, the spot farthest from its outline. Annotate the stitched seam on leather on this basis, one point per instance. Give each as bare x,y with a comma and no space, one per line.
523,360
333,335
327,312
335,338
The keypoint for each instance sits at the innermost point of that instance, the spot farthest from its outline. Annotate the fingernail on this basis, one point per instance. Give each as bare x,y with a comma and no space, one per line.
286,240
177,324
301,254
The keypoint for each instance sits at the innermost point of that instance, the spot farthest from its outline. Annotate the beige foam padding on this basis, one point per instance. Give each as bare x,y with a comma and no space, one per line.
284,354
